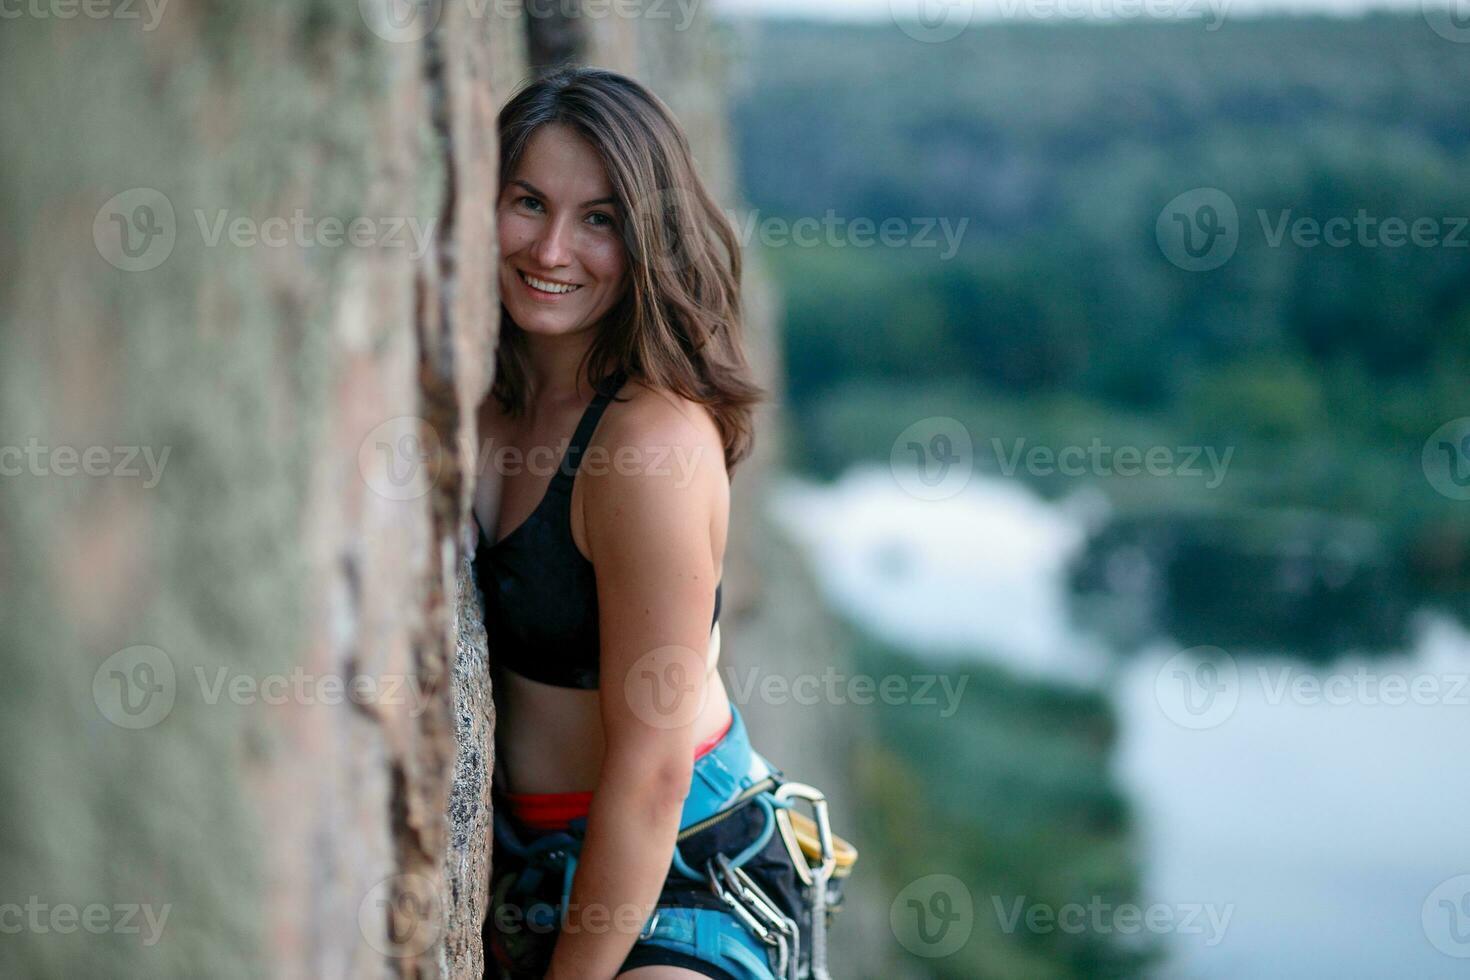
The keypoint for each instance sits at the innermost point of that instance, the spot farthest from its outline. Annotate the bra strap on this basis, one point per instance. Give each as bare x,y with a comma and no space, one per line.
573,457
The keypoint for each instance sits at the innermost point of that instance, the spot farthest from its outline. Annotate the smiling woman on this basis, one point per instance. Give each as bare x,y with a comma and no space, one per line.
538,256
617,744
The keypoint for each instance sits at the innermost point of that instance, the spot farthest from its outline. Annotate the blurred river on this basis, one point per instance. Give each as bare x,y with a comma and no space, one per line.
1320,813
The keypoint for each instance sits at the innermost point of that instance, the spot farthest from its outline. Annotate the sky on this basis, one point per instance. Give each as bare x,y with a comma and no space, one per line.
869,10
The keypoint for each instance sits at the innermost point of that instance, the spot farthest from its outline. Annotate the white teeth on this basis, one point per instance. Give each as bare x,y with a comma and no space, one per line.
548,287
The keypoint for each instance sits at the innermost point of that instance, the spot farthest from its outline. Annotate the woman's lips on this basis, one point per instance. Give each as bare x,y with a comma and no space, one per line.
542,295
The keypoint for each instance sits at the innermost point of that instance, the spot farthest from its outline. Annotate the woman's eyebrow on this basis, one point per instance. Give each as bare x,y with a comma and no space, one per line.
586,204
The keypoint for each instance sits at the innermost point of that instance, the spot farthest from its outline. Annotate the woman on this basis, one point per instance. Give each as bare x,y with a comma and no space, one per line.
622,402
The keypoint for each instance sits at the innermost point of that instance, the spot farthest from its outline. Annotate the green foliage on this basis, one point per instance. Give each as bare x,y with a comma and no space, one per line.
1060,145
1322,367
1060,321
1010,794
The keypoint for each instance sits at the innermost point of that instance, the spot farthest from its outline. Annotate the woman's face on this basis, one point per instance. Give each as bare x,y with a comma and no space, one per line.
558,228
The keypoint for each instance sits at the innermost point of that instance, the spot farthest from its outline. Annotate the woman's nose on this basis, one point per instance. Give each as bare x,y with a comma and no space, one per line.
553,247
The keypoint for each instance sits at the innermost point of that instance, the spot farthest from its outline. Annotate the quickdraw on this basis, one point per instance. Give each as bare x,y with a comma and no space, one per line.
816,877
752,905
746,899
820,859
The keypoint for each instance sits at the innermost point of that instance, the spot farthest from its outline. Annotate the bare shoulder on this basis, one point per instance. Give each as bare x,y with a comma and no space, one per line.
650,418
656,463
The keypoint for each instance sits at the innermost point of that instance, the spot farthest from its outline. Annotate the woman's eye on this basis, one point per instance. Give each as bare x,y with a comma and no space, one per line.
529,202
606,219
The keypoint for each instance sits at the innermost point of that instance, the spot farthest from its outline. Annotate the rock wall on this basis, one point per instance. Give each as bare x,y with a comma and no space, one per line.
244,242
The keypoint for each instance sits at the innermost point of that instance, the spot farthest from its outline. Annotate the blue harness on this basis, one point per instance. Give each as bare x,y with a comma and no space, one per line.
730,774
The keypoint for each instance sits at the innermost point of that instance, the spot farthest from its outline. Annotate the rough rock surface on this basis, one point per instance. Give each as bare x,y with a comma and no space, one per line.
467,857
178,737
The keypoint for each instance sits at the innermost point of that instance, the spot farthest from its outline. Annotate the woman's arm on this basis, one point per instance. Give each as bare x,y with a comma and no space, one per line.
648,527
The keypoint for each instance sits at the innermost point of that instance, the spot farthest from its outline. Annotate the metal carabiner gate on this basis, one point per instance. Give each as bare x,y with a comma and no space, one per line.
755,908
816,877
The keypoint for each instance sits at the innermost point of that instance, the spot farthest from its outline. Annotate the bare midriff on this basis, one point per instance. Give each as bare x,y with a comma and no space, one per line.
549,739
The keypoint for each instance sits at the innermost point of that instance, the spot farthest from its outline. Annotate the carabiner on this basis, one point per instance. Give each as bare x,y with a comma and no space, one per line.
815,877
818,800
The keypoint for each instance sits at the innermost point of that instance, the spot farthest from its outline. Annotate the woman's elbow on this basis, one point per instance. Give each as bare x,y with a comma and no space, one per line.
660,784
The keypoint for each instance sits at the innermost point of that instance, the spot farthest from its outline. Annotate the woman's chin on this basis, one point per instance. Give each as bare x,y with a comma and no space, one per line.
540,322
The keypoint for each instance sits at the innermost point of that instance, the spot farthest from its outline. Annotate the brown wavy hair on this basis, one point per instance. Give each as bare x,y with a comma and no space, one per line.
678,325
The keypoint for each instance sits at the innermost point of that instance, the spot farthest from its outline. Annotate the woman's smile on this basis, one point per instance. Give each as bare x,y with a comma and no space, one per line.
546,290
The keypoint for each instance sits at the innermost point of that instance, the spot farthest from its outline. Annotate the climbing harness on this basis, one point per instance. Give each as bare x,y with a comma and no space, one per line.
758,904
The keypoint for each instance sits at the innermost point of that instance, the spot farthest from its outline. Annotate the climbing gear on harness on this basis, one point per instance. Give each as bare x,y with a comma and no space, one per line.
803,839
735,896
736,889
815,877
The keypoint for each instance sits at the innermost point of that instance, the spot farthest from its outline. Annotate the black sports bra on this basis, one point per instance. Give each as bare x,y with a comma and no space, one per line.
540,592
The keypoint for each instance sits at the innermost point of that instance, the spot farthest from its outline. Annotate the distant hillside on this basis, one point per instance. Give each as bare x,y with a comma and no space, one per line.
997,122
1326,366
